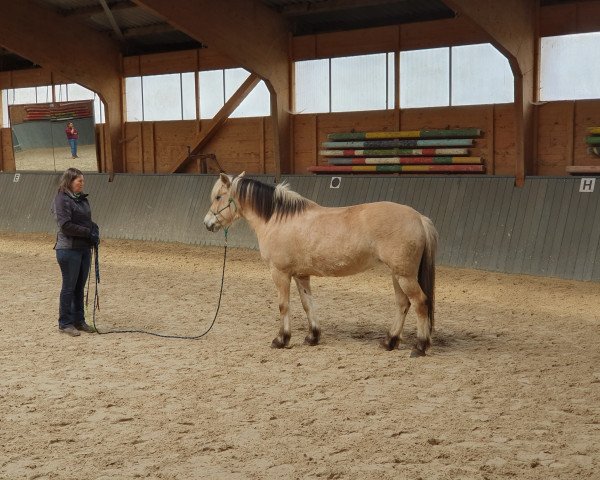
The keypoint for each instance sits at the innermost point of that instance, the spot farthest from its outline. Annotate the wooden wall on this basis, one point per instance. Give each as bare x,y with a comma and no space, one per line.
241,144
562,128
438,33
7,158
496,145
247,144
175,62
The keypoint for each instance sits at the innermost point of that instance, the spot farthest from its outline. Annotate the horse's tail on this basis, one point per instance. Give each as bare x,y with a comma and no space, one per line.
427,268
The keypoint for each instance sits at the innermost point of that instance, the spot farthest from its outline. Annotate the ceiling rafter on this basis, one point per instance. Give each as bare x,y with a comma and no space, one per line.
90,10
111,19
144,30
299,9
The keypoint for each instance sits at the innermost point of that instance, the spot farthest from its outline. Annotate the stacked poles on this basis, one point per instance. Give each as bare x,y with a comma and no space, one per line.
593,140
422,151
58,111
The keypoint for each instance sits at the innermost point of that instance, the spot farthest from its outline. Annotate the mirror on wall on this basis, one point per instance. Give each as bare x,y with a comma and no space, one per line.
54,136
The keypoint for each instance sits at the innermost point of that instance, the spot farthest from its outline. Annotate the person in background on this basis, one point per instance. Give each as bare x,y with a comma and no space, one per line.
72,138
76,236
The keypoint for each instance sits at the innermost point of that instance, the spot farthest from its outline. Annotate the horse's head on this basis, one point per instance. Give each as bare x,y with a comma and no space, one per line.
223,209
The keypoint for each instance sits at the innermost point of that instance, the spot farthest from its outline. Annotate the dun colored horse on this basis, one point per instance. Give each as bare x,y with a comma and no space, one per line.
299,238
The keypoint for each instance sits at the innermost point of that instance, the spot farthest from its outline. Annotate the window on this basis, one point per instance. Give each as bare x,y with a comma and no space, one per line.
133,99
258,101
570,67
188,96
312,86
218,86
391,81
480,74
173,96
425,78
359,83
212,93
465,75
161,97
22,96
43,94
346,84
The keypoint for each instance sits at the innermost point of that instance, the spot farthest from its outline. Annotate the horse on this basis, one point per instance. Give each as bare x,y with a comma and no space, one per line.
299,238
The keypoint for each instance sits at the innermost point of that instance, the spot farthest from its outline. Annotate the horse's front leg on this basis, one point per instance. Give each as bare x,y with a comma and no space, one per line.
314,332
282,282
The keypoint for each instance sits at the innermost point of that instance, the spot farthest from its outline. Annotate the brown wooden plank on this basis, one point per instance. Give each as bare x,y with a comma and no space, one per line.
581,169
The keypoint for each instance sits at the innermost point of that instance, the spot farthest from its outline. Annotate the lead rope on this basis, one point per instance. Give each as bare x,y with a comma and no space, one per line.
183,337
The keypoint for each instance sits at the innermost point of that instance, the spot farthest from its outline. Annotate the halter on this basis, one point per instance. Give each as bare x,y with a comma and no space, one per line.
230,201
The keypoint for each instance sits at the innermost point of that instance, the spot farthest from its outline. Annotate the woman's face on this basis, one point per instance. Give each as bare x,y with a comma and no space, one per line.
77,184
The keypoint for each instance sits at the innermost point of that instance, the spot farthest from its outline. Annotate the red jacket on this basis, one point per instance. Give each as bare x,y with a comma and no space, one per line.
72,133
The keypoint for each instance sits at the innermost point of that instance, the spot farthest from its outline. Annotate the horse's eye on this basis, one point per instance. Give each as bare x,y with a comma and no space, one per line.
218,197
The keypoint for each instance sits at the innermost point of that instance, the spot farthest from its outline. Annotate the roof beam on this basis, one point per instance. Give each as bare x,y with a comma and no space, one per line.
111,20
299,9
232,28
220,118
148,30
91,10
512,26
250,33
93,60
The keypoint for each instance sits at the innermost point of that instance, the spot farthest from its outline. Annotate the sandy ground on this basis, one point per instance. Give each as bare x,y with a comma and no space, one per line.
511,388
57,159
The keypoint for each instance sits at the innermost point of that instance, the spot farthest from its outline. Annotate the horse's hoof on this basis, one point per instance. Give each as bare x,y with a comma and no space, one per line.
310,340
279,342
390,343
415,352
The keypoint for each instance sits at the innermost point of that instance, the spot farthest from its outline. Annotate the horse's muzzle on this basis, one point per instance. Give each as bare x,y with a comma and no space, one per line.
214,227
211,223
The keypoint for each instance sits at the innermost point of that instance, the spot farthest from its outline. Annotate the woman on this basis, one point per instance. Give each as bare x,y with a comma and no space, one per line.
72,137
76,235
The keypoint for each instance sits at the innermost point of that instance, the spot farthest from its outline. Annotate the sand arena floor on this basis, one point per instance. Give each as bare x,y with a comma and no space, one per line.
511,388
57,159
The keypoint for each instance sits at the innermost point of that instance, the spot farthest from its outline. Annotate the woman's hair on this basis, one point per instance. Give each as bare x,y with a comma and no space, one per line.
67,178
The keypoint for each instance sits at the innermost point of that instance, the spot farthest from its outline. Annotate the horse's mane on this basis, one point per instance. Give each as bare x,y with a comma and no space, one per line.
269,201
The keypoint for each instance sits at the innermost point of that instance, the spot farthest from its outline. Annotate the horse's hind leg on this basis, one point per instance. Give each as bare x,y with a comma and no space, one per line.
403,303
282,282
413,291
314,332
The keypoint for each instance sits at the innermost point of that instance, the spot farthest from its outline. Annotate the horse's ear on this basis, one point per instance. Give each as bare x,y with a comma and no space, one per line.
225,179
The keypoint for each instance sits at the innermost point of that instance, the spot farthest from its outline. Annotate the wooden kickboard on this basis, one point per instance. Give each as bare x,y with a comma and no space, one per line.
393,152
398,169
404,161
445,133
377,144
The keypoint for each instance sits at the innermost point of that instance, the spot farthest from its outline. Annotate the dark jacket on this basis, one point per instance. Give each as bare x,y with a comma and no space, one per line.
74,219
